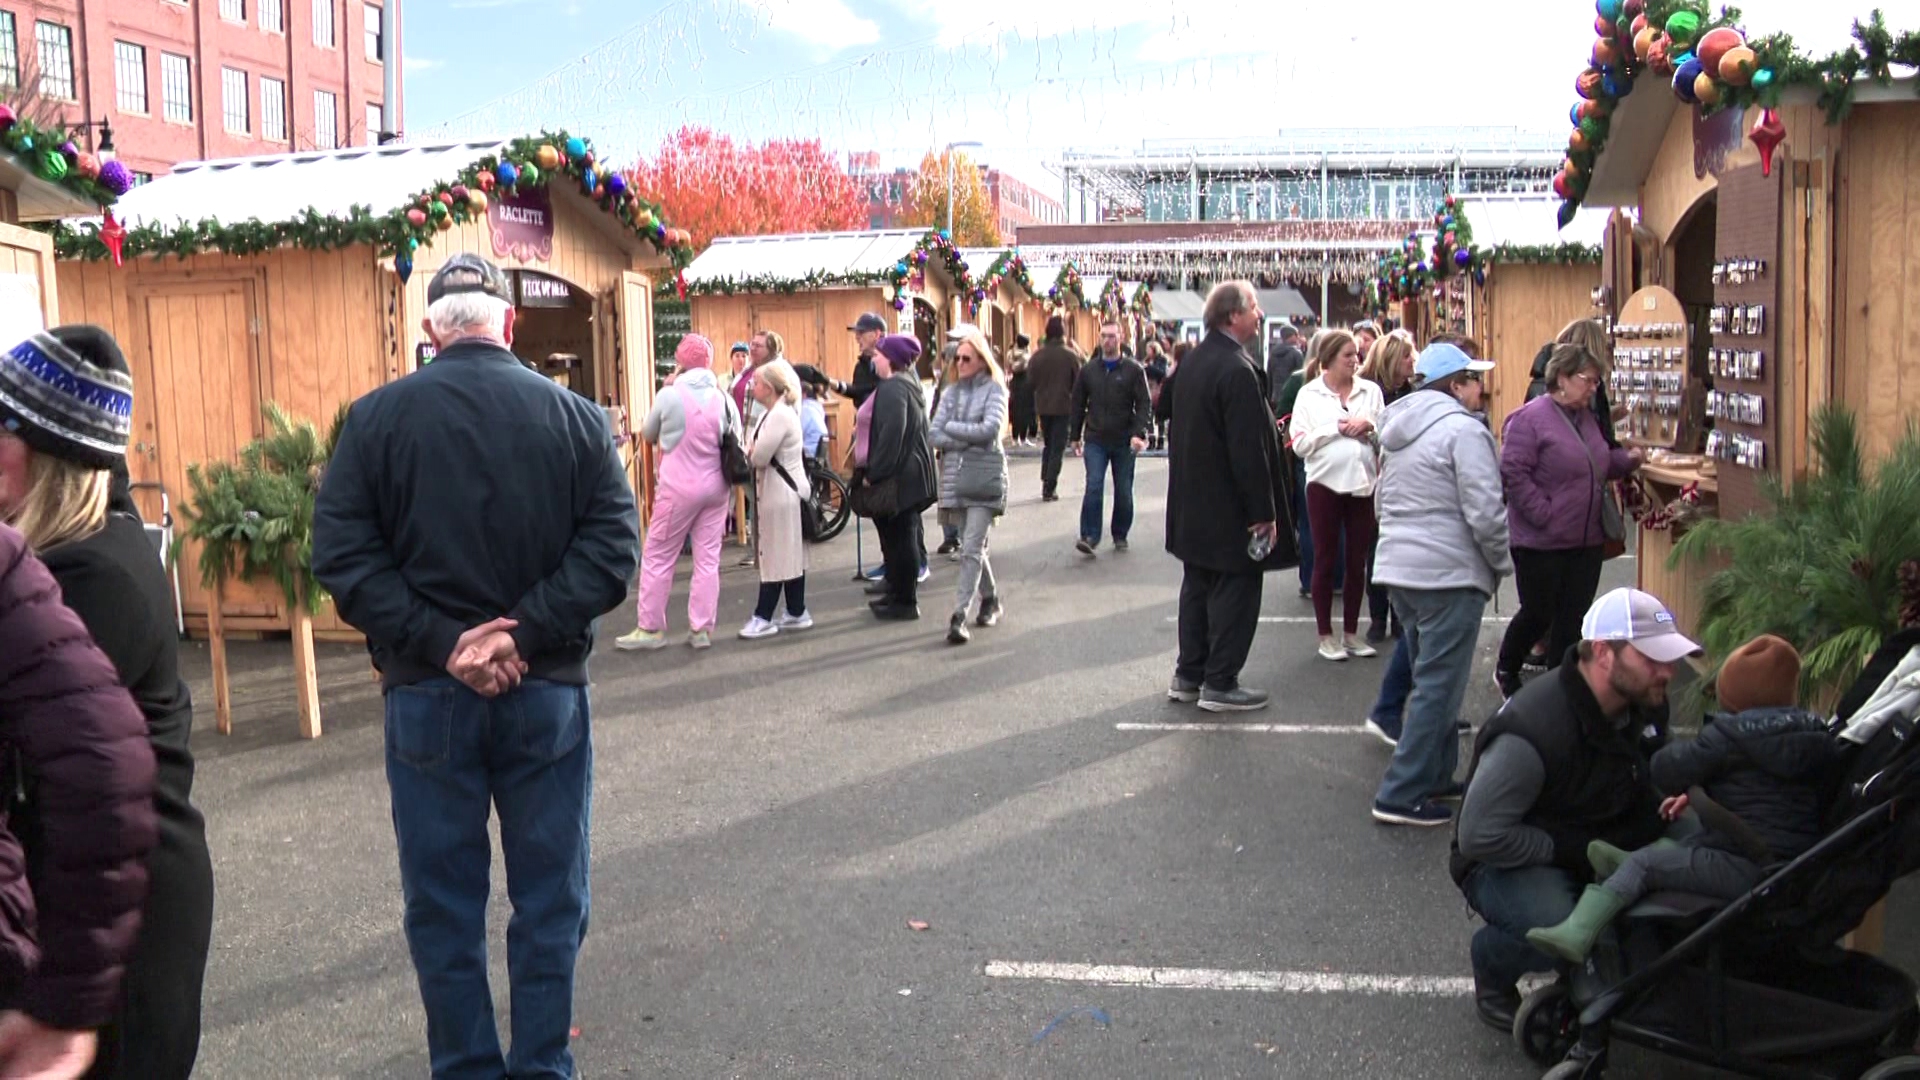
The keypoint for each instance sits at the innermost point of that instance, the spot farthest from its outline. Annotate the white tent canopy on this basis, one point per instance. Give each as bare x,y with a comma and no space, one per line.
798,256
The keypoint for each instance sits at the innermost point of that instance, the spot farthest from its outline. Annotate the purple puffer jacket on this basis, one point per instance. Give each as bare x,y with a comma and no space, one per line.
1553,498
82,747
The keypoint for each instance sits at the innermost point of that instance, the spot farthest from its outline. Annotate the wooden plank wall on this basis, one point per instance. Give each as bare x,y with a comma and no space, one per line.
1526,307
1876,346
30,253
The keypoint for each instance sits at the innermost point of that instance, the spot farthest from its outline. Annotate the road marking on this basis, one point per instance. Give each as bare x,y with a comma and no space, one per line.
1265,982
1258,729
1306,620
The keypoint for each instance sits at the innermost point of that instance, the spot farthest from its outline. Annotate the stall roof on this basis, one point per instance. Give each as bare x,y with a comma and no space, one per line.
1284,303
37,199
1529,221
280,187
1177,305
799,256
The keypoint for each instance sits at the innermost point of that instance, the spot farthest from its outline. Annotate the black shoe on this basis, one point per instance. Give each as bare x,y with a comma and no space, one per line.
1048,496
1376,634
879,588
1496,1005
948,547
879,602
1306,594
990,611
957,629
897,612
1084,546
1238,699
1119,544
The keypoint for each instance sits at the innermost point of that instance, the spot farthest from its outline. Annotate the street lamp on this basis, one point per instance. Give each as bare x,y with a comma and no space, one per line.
951,147
105,143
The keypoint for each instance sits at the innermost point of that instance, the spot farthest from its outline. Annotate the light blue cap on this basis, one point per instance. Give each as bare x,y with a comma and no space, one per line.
1442,360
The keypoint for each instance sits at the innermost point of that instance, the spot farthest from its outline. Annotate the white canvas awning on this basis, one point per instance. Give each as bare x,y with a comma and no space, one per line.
797,257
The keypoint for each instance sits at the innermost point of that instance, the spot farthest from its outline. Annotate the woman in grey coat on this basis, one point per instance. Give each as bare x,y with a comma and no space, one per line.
966,429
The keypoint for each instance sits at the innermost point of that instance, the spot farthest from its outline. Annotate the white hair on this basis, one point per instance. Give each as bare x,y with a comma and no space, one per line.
468,314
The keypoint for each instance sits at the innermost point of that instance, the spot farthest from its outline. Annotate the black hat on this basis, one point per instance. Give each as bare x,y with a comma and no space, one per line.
1022,340
1056,328
67,393
469,274
867,323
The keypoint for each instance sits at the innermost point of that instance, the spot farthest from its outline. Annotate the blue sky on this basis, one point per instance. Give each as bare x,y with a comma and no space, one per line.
1025,79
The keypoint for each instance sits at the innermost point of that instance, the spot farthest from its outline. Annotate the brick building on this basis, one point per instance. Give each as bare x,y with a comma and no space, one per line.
1017,206
183,80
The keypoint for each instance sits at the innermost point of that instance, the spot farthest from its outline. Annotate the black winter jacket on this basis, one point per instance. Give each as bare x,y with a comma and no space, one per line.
1111,407
897,443
473,489
1767,767
1224,469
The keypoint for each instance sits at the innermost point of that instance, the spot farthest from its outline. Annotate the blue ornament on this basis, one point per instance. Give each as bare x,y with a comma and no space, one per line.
1683,78
506,173
413,243
1567,210
403,265
945,235
25,144
1573,115
586,180
1762,79
1608,9
576,148
900,268
1462,258
1447,223
1612,86
616,185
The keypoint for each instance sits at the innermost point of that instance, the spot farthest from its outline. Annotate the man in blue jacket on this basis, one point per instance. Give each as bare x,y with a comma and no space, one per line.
474,522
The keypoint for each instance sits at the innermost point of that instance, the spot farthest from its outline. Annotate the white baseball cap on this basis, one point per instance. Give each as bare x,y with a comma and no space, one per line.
961,330
1641,620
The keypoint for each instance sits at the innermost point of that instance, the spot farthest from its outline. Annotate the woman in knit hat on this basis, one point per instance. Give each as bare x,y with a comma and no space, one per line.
690,497
1762,759
894,477
66,408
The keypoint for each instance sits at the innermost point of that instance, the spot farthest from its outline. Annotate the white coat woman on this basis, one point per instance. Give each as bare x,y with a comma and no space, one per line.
780,485
1334,429
966,429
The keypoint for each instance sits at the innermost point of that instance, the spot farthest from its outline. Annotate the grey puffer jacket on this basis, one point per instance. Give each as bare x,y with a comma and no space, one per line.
1442,522
966,430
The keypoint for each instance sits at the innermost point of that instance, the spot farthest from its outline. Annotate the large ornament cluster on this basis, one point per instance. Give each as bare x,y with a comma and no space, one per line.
1422,267
1009,266
1066,286
53,156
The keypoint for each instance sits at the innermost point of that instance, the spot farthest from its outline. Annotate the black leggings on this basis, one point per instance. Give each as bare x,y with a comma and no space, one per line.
770,596
1556,588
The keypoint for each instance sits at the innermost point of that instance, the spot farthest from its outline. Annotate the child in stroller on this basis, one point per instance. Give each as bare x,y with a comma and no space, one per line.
1762,759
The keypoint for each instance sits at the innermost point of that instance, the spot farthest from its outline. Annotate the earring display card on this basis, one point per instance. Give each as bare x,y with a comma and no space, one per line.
1649,376
1744,321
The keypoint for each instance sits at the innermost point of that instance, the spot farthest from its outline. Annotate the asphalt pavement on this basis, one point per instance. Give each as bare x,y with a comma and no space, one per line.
773,819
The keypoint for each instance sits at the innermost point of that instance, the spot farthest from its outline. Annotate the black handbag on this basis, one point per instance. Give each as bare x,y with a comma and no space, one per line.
870,500
809,510
733,459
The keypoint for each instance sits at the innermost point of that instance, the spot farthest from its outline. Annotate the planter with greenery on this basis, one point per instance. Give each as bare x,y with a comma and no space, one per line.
1823,567
253,519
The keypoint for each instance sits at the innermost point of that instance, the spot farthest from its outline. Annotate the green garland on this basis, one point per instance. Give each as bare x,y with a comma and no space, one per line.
1142,303
935,244
1010,264
401,231
1409,272
1066,285
49,154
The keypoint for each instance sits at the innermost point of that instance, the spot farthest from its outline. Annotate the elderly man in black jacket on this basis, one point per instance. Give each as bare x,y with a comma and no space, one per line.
1112,417
899,468
474,523
1226,494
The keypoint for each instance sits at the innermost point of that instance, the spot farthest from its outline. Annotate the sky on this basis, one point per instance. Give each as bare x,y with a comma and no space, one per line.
1027,80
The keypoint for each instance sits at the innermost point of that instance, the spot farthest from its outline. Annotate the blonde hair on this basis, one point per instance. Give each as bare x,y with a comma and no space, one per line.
1590,335
1383,360
977,341
780,375
1327,347
64,503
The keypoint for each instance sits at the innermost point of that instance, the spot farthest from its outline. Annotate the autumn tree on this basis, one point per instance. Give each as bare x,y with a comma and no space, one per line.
973,222
712,186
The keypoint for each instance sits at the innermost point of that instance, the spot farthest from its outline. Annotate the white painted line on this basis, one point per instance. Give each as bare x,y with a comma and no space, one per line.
1308,620
1258,729
1265,982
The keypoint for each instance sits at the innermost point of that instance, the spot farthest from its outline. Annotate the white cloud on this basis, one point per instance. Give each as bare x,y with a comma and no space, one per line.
829,24
416,65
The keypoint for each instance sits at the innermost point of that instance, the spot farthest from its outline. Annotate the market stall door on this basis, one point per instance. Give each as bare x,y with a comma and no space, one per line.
800,325
196,400
631,329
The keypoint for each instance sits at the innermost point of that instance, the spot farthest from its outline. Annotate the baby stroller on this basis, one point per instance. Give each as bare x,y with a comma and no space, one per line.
1758,987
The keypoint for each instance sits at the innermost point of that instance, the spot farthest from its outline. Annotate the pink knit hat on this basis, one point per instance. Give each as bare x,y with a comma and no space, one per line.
694,352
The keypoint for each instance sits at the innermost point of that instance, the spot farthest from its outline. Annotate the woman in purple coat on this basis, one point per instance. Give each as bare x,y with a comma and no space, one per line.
1555,463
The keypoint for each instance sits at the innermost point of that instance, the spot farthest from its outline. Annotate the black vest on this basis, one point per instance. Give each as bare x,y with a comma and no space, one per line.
1598,783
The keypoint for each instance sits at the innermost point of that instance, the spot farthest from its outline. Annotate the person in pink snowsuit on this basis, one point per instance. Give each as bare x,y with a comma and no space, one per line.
691,497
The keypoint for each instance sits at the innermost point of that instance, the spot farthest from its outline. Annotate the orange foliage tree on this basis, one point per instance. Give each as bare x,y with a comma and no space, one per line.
712,186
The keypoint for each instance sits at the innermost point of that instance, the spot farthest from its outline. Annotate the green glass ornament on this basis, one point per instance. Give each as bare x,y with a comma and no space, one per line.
53,165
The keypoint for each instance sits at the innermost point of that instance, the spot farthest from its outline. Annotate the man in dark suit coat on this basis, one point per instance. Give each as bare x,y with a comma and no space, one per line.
1226,486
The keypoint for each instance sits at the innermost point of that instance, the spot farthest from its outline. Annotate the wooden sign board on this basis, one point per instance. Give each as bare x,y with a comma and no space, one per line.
1651,340
1744,323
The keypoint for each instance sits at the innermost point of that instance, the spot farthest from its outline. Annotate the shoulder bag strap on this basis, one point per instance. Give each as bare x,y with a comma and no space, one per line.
782,470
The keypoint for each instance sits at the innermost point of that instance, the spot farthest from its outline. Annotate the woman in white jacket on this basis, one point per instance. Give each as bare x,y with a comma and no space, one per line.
1335,430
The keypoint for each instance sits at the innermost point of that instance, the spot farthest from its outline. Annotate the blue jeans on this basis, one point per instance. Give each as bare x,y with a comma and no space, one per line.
1390,709
1513,902
1092,504
451,755
1441,629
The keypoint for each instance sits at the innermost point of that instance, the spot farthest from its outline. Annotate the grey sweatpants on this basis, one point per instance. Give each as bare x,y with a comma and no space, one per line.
976,572
1684,867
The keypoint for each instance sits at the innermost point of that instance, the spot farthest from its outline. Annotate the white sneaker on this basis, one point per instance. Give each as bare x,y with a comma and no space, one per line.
1331,649
640,639
758,627
1358,647
802,621
700,639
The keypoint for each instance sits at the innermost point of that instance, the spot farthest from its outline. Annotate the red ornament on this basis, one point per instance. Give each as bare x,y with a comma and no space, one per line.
113,234
485,180
417,218
1768,134
680,284
446,198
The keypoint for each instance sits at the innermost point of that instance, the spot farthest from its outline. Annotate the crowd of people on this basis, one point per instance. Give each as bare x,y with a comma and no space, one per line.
482,626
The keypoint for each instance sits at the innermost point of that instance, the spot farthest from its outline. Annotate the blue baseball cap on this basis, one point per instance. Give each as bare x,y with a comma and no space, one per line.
1442,360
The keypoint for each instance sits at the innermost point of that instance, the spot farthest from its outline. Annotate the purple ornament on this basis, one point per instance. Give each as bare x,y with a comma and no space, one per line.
1462,258
899,305
115,178
69,151
616,185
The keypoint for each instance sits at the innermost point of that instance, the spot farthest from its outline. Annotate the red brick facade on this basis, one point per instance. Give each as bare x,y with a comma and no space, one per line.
1017,206
203,34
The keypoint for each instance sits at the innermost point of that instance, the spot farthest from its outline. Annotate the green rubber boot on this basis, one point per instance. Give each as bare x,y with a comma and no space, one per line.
1573,939
1606,858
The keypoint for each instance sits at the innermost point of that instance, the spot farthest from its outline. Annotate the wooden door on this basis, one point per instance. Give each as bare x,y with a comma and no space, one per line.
801,324
196,369
633,329
26,259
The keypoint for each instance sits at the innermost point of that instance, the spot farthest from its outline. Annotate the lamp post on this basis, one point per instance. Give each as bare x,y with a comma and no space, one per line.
104,145
951,147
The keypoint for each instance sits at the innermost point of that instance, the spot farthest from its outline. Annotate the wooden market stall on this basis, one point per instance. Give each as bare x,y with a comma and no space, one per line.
41,182
811,287
300,280
1059,291
1002,301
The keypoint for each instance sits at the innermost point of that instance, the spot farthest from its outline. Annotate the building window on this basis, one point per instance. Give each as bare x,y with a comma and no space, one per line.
273,16
56,60
142,178
273,109
233,10
323,23
326,120
9,51
376,123
233,101
176,88
374,50
130,77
